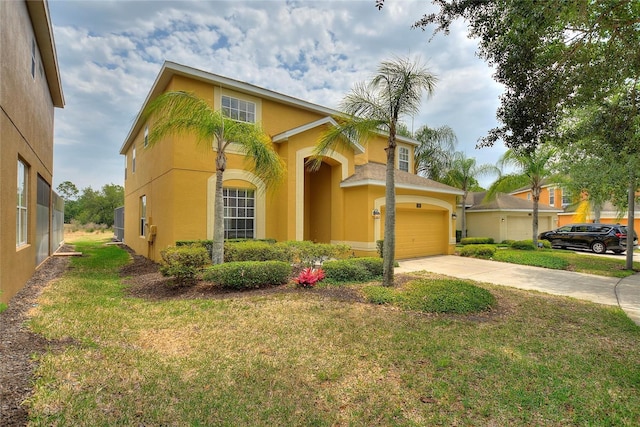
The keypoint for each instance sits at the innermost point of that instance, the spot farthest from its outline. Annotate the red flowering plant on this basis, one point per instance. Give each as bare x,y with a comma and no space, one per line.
308,277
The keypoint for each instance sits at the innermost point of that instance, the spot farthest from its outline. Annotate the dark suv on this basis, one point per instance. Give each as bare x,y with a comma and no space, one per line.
597,237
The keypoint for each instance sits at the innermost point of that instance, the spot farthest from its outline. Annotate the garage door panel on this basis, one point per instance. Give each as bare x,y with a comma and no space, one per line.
420,233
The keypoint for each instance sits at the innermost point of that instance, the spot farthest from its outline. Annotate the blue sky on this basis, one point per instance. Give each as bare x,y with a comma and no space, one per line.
110,52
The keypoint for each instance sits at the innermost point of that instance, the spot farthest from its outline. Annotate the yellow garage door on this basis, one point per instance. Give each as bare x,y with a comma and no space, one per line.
420,232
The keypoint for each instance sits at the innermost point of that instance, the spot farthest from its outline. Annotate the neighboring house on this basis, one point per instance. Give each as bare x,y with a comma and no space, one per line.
554,195
30,89
608,215
550,194
169,188
505,217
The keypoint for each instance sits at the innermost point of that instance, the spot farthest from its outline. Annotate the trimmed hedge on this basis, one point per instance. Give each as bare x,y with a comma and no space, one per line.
527,245
305,253
183,263
248,274
477,251
353,269
477,241
253,250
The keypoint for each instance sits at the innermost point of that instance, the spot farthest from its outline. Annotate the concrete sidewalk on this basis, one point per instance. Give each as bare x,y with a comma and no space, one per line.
624,293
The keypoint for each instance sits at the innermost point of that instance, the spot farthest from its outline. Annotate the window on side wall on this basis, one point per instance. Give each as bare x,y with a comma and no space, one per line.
566,198
146,136
239,213
552,196
22,208
133,160
403,159
33,58
143,216
238,109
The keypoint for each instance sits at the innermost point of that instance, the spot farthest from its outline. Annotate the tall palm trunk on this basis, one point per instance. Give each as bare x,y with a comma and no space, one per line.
389,247
217,253
536,200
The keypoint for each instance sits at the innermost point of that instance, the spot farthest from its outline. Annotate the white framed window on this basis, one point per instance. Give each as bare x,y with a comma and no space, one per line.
22,205
552,196
133,160
403,159
238,109
566,197
146,136
239,213
143,216
528,196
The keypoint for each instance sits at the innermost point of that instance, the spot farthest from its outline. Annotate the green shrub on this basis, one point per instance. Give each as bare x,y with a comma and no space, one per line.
523,245
3,307
256,250
477,241
353,269
207,244
445,296
380,294
248,274
308,254
477,251
183,263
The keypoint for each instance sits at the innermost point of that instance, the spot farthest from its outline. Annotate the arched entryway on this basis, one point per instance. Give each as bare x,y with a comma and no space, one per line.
318,204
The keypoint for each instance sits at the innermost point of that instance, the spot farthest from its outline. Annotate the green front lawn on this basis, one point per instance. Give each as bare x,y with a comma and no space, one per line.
303,358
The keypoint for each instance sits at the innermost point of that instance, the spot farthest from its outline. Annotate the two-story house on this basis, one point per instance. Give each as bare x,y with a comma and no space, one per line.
30,89
169,188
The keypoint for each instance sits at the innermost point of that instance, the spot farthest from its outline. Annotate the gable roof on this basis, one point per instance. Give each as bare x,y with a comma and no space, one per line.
543,184
375,174
170,69
283,136
503,202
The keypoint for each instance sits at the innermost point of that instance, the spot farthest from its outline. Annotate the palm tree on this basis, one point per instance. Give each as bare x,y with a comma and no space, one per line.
434,155
533,167
463,174
180,113
395,91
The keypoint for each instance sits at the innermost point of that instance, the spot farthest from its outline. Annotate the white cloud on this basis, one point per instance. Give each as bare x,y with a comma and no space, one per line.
110,52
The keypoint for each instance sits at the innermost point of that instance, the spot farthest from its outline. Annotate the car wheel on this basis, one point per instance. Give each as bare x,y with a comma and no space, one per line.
599,247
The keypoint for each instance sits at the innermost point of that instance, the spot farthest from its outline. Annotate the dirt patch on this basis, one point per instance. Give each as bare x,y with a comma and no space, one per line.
18,344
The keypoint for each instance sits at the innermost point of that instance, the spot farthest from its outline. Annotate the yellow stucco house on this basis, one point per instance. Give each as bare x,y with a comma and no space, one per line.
31,215
169,188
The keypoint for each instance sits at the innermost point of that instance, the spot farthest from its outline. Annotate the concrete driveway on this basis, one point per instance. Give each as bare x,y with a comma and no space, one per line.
624,293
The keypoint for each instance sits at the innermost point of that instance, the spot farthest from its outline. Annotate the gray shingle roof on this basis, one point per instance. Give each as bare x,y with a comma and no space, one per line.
375,173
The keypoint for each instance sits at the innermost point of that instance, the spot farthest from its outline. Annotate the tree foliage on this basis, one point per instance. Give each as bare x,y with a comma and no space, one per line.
463,173
91,206
434,155
394,92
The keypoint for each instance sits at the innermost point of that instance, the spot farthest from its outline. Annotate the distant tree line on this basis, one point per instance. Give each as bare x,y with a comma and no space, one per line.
90,206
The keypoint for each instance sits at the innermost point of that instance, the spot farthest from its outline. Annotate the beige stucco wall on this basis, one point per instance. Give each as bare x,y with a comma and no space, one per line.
26,129
506,225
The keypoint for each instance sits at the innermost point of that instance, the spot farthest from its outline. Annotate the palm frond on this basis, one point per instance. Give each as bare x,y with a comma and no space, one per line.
180,113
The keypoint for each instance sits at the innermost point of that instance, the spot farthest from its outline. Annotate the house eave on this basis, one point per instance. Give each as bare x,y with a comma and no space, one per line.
378,183
43,32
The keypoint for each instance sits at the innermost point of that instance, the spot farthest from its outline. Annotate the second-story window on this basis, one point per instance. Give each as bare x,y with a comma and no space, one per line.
552,196
33,58
146,136
238,109
403,159
133,160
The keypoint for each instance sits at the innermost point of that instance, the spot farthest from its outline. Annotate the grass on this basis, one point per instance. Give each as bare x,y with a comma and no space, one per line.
301,359
567,260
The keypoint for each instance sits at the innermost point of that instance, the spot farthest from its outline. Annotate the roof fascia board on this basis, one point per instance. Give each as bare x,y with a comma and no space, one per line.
282,137
41,23
377,183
